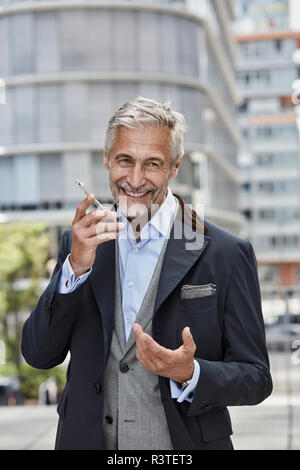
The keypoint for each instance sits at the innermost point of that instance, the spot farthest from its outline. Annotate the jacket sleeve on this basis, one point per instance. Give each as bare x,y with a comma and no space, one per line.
243,376
46,332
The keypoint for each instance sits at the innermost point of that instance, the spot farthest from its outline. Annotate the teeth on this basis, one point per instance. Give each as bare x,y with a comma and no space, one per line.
135,194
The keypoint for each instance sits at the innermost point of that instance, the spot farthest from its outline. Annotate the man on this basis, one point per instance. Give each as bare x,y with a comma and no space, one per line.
160,310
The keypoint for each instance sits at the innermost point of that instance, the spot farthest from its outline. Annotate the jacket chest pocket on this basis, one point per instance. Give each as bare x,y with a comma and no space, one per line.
195,298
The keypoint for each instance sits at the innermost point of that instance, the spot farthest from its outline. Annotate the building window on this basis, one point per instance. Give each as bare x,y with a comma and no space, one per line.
248,214
278,159
36,179
289,186
278,45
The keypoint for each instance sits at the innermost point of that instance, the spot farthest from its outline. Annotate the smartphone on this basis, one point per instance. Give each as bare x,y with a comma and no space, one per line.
95,202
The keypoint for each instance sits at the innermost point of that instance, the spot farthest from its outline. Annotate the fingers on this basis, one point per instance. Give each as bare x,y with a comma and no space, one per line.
177,365
94,216
102,228
151,355
98,239
145,341
97,216
137,329
141,338
97,225
82,207
89,231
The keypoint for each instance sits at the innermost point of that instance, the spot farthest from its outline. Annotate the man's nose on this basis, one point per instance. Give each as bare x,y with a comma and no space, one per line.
136,177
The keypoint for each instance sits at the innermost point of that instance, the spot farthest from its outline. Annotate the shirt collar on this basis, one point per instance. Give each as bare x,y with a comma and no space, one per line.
161,220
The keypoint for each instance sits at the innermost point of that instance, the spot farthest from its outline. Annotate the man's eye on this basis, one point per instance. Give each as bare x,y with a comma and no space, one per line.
124,161
153,165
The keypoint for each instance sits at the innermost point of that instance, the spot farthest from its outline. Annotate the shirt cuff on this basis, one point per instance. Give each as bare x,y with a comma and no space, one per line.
188,393
67,282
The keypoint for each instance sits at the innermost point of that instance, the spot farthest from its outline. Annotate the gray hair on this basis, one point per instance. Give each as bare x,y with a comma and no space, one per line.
145,112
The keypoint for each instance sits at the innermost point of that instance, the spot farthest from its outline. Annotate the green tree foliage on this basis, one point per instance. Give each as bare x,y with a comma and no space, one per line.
24,251
31,379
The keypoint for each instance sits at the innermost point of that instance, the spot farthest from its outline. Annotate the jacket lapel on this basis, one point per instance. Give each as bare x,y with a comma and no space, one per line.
188,240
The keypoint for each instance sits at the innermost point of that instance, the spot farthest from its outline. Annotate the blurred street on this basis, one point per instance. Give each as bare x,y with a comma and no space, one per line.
272,425
275,423
27,427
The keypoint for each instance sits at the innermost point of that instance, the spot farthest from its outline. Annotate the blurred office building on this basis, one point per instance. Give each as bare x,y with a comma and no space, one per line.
270,156
261,15
68,65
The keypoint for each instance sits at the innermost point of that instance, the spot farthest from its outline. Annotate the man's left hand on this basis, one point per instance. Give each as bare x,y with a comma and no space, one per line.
177,365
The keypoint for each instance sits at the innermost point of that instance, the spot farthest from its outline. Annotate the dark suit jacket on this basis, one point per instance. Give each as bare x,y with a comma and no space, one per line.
227,328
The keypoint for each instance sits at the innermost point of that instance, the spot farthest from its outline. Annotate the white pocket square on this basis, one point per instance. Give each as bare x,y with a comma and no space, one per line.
192,292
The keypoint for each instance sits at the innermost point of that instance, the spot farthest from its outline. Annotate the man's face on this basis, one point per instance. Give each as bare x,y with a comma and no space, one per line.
140,168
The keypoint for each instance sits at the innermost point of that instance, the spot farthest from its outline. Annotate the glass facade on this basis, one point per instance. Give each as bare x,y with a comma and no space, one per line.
271,189
274,79
268,49
262,15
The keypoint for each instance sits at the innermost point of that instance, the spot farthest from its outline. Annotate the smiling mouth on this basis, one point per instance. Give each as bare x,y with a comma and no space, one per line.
135,194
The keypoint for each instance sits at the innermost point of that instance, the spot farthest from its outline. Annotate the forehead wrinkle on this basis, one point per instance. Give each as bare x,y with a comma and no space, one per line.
143,152
142,143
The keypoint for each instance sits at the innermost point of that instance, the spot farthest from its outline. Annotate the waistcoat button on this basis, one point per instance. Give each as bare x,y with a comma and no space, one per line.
123,367
109,419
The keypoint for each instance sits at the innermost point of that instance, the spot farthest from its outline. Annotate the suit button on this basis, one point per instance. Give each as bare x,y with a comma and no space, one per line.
109,419
123,367
97,387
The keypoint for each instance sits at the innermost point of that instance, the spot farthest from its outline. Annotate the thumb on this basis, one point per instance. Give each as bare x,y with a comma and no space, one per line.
188,341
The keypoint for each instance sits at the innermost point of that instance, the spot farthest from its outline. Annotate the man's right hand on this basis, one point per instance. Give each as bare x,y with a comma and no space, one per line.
89,231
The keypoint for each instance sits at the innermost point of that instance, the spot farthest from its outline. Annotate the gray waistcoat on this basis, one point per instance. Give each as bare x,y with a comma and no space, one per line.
132,397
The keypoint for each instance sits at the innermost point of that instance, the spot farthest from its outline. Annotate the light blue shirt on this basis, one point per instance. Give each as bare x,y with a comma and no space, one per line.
137,262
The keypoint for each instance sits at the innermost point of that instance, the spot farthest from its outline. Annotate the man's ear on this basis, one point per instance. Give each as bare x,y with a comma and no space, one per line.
176,167
105,160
